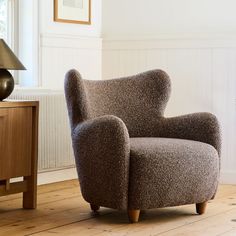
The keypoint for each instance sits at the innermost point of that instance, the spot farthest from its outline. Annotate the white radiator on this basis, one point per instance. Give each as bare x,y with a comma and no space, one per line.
55,149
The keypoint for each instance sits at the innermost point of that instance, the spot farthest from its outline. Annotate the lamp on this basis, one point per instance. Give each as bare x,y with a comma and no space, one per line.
8,60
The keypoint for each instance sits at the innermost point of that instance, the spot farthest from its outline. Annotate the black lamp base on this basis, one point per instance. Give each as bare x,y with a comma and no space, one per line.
6,84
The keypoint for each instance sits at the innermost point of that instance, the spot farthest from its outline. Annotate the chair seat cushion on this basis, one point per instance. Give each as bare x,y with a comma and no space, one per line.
171,172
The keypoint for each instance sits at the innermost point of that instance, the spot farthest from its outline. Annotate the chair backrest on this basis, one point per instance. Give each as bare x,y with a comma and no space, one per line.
138,100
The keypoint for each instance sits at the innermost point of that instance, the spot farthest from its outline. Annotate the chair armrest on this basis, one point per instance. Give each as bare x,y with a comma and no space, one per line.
203,127
101,148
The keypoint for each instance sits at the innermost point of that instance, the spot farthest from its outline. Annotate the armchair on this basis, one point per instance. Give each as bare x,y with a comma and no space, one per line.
129,156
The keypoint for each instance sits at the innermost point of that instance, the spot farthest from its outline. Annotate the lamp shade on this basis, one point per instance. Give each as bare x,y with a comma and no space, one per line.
8,60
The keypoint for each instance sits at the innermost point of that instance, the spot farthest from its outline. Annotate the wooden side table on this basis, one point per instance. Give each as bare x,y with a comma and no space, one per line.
19,149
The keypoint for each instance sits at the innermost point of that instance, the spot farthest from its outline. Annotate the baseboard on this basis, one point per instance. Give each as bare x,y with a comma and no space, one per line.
57,176
228,177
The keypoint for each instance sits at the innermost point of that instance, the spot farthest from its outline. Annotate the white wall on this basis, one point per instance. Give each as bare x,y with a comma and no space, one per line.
65,46
152,18
49,49
48,26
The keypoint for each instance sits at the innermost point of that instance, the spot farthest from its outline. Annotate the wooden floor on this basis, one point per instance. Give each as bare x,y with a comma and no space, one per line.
62,211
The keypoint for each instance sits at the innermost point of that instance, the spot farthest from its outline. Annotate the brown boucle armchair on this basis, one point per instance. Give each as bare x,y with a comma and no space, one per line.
128,156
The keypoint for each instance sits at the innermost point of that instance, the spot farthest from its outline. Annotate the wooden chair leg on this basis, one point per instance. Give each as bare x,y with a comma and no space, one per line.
94,207
133,215
201,208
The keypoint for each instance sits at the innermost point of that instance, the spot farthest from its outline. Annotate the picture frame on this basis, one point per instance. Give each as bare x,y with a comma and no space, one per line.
72,11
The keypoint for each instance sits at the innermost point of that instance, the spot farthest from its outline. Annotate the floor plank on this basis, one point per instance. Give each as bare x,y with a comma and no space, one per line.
62,211
45,189
215,225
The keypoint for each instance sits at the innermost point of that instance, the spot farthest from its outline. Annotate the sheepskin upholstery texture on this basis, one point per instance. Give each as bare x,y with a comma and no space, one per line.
128,155
189,169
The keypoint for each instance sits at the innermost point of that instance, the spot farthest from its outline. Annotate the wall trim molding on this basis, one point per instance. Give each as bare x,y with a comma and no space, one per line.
162,42
53,176
169,43
70,41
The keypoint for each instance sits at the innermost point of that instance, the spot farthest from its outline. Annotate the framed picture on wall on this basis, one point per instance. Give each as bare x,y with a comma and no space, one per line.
72,11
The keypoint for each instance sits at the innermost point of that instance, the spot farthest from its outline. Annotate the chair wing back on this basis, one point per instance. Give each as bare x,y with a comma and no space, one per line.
75,93
138,100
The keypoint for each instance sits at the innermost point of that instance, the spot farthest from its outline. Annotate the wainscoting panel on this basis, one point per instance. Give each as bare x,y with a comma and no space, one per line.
203,75
60,53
